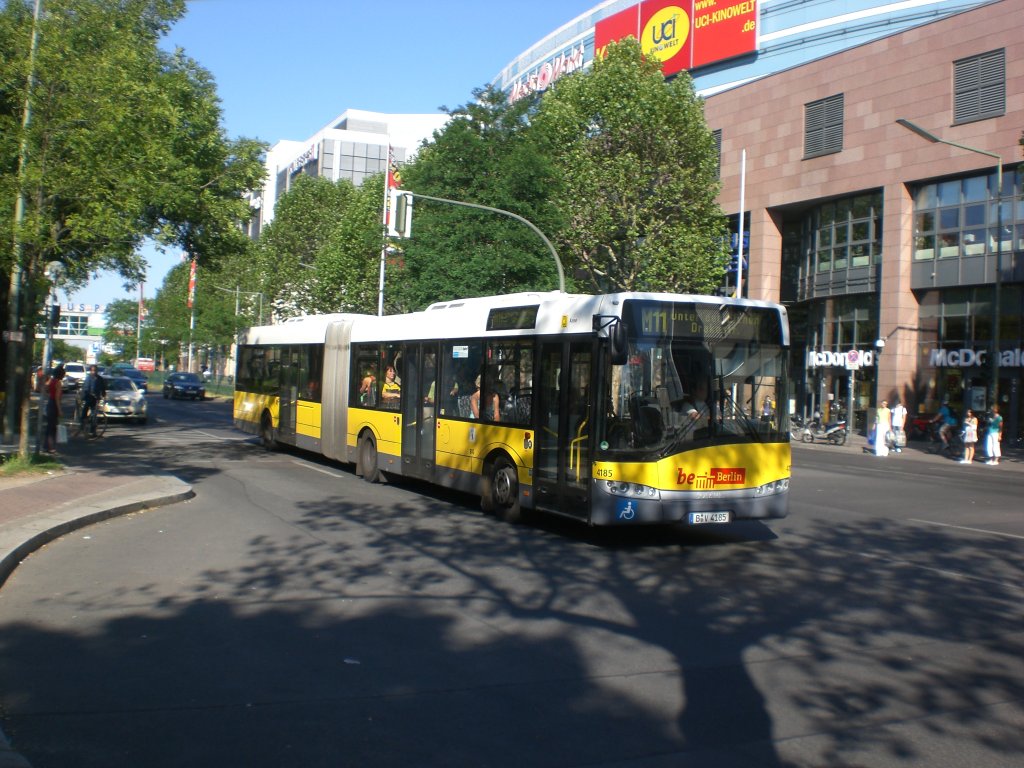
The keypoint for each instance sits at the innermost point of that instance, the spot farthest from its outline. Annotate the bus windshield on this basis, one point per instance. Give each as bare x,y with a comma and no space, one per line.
696,374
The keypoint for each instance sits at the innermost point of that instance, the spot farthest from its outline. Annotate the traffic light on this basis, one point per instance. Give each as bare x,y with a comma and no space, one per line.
54,315
400,224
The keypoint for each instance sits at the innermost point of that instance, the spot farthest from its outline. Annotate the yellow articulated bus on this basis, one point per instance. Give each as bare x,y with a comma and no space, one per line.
619,409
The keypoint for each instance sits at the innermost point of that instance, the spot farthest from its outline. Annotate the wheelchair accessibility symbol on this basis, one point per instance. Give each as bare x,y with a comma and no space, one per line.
626,510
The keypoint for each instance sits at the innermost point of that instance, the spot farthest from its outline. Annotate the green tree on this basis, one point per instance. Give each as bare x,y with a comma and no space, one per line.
124,143
122,325
321,251
484,155
638,179
60,350
168,331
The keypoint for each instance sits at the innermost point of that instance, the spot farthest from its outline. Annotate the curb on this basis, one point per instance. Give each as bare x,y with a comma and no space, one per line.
60,527
55,527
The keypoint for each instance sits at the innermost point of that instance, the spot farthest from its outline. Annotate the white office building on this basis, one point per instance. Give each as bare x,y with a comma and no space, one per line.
352,146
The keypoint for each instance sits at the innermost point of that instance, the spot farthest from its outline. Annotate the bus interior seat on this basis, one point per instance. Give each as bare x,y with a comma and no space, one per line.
646,419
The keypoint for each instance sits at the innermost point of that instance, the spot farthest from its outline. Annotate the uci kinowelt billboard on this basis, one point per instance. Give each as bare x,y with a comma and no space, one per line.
681,35
684,35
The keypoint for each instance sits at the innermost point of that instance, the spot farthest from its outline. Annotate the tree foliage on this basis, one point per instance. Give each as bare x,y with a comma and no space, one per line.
487,155
124,143
638,176
321,251
122,323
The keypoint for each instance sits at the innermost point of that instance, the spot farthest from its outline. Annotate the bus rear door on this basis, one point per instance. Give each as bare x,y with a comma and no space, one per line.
289,393
418,425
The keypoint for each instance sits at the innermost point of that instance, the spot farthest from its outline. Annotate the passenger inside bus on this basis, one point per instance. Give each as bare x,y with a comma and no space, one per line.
492,403
368,389
390,391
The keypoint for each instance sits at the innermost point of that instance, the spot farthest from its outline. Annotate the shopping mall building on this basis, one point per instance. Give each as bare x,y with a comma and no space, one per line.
864,144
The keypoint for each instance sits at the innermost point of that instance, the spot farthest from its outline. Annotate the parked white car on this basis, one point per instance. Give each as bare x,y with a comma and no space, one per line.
74,375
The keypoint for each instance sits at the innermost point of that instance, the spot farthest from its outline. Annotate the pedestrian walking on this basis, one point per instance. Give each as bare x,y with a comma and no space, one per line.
54,390
899,421
970,436
883,426
994,437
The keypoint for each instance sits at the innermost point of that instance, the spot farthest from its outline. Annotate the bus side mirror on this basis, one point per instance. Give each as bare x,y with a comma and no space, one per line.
618,349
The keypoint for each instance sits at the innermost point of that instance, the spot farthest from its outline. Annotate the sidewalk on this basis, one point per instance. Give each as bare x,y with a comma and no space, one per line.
36,509
1012,461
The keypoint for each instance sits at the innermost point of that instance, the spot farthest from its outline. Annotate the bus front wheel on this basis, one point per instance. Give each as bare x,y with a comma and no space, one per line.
368,459
501,491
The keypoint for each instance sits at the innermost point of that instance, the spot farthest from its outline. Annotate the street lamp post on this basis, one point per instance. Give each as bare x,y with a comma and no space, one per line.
879,348
996,299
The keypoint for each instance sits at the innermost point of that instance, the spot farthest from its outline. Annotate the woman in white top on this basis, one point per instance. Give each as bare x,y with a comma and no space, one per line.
883,424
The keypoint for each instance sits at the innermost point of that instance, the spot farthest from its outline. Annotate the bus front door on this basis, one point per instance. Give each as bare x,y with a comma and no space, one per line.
418,425
562,468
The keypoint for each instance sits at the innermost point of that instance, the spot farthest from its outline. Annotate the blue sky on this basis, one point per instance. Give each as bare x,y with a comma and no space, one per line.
284,69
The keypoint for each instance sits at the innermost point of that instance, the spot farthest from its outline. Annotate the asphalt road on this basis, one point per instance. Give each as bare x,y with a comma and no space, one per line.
293,615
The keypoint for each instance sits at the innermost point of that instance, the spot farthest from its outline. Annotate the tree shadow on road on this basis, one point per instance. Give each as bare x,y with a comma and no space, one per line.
418,632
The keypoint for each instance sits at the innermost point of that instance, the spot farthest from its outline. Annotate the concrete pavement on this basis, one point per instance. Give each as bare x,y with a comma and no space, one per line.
36,509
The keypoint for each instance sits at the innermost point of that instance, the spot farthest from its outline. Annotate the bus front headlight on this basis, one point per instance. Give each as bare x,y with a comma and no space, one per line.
773,488
633,490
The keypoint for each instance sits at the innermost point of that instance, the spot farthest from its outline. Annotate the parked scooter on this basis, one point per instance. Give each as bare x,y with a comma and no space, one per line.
834,432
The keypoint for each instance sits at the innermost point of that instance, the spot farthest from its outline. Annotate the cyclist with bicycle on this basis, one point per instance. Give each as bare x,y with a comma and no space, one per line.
94,389
947,422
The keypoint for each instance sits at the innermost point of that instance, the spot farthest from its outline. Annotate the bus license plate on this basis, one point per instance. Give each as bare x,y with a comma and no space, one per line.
701,518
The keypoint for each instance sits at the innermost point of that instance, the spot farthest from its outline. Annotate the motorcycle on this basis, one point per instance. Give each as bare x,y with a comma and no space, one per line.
834,432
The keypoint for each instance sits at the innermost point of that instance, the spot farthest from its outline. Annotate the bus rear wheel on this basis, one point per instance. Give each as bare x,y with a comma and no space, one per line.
267,432
501,491
368,459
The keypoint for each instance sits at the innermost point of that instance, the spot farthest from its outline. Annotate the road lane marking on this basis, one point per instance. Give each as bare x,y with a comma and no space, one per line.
966,528
318,469
222,437
945,572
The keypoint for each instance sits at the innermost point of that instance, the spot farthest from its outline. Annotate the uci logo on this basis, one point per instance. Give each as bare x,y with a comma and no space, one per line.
665,33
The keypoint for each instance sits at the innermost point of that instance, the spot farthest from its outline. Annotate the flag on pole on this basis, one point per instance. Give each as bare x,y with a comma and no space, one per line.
392,181
192,285
394,178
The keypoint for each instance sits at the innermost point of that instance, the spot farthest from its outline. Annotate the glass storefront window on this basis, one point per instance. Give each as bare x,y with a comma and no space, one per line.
954,328
949,218
924,247
975,189
974,242
964,214
949,192
847,232
925,197
824,261
949,245
974,215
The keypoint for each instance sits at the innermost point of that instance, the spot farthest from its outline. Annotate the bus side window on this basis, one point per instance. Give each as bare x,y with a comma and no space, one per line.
365,376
